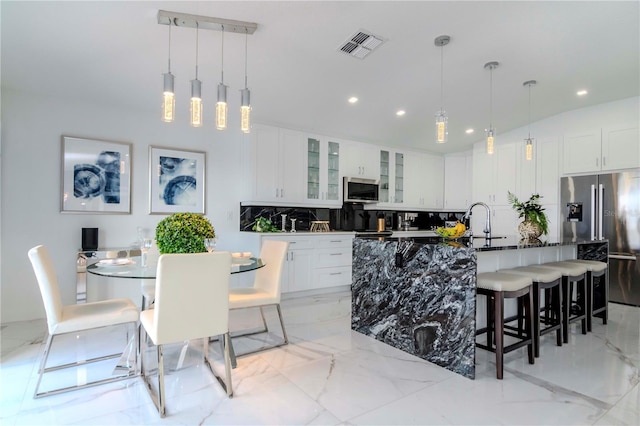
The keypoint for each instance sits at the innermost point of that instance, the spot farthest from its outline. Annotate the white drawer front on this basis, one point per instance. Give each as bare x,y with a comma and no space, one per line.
325,258
331,277
295,243
335,242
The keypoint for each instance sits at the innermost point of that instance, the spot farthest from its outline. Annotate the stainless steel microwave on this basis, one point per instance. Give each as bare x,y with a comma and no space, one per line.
358,190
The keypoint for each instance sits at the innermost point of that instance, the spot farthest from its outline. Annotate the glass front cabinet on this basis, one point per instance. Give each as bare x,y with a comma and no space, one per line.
323,172
391,177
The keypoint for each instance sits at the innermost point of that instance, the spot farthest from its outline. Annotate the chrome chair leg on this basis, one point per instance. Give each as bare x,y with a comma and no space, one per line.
44,369
284,332
226,385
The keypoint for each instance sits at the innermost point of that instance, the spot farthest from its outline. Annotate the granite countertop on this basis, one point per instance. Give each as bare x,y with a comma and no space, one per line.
497,243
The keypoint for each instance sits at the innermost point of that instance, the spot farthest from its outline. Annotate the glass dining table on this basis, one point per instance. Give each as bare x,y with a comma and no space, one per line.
131,268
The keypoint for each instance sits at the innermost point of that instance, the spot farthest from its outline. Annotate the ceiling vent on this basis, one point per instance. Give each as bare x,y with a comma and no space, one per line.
360,44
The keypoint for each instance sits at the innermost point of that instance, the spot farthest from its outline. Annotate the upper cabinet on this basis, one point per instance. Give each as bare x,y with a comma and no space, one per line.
424,182
595,150
391,178
494,175
323,172
620,147
360,160
278,173
458,174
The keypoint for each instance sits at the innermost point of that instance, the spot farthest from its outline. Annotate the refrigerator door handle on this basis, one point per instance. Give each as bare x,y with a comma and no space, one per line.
623,256
600,210
593,212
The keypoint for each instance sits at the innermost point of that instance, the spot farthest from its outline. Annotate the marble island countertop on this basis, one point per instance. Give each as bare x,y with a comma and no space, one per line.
482,244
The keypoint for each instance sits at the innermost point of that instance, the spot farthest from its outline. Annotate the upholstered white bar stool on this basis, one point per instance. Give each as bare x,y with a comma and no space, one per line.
498,286
595,269
572,273
549,280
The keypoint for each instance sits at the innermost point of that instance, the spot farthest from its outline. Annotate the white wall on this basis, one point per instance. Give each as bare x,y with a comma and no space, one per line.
31,156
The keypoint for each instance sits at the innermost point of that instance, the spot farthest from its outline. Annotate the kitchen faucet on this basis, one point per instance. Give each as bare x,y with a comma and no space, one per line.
487,226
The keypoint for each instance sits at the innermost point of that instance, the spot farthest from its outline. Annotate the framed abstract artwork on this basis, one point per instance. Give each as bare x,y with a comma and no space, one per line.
176,180
96,176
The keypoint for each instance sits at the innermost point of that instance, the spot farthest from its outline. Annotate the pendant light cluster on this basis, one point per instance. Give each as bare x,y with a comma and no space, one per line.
196,105
441,116
529,141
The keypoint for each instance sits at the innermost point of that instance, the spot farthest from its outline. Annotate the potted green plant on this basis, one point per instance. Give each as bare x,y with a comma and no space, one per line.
183,233
535,221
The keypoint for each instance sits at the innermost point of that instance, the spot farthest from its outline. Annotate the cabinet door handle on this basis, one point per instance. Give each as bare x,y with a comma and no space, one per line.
596,161
281,192
335,241
336,273
335,254
277,193
604,161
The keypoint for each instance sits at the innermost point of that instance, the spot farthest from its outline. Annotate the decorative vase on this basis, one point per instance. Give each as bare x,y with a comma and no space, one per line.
529,230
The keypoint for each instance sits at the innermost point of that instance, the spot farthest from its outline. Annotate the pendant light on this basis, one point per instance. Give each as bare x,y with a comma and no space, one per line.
528,141
168,94
491,132
245,101
196,93
441,116
221,106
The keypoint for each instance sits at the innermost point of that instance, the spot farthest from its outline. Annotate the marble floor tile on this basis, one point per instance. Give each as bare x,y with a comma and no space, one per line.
331,375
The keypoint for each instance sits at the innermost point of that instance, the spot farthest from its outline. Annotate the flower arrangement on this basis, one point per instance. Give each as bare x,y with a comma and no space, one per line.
183,233
530,210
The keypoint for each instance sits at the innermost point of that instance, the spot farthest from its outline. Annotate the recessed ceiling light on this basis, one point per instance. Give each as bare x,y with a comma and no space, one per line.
400,112
581,92
353,100
468,131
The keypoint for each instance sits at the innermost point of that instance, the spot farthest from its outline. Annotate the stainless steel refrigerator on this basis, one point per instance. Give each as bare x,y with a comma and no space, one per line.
607,207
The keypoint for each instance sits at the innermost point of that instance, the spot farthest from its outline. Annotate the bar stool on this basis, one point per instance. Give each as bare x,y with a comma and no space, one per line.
572,273
497,286
549,280
595,269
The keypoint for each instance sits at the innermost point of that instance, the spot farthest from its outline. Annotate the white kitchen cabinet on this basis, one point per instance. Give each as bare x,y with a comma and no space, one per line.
458,174
547,160
360,160
620,147
424,182
582,151
315,261
610,148
323,172
494,175
541,174
278,166
392,177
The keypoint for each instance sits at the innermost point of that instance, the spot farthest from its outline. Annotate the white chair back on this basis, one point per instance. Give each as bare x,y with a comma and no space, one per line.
269,278
48,283
192,296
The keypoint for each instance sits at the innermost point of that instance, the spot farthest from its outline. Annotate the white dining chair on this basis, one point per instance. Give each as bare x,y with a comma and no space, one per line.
76,318
266,289
191,302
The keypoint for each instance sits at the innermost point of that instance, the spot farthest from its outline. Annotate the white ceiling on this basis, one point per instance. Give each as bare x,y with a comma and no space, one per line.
116,52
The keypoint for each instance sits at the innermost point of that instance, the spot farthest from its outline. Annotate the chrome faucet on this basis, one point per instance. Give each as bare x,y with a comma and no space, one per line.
487,225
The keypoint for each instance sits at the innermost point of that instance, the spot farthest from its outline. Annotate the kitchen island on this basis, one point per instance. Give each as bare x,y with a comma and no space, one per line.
419,294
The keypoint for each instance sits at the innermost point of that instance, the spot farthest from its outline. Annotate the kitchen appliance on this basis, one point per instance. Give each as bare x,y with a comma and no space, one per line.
357,190
607,206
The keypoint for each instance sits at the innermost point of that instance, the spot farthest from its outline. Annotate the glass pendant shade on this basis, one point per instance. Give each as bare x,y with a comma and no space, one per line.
168,99
490,138
245,111
441,127
529,150
221,107
196,103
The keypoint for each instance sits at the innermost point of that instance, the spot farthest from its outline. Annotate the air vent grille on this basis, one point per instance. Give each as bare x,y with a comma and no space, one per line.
360,44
